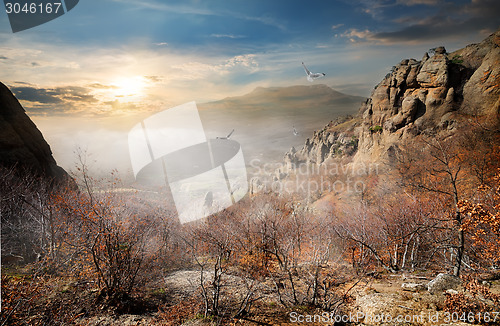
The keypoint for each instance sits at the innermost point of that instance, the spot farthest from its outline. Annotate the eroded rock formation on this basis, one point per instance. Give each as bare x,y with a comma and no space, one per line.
416,97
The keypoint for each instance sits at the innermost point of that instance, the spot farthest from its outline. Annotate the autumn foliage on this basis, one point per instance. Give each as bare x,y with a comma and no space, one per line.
483,225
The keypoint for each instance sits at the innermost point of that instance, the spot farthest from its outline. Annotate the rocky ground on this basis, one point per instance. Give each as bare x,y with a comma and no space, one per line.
380,299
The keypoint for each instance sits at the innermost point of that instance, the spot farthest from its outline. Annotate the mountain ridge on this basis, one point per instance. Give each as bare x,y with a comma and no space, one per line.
293,95
259,90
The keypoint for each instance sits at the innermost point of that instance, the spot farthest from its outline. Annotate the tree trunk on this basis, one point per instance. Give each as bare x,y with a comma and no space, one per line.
460,253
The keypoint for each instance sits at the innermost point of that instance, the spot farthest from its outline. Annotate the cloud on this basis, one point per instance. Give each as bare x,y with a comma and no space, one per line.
375,8
199,70
419,2
337,26
482,9
381,9
40,95
355,36
231,36
154,79
246,60
22,83
120,107
199,10
449,22
161,44
57,99
170,76
101,86
266,20
178,9
76,93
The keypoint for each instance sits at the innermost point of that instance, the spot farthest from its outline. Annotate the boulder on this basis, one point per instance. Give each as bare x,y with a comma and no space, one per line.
440,50
434,72
482,91
413,287
411,79
443,282
256,186
408,110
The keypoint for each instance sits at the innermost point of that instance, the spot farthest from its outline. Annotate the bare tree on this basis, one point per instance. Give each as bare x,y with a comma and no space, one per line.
438,167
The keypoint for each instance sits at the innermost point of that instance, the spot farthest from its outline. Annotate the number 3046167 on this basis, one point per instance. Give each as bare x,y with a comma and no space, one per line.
33,8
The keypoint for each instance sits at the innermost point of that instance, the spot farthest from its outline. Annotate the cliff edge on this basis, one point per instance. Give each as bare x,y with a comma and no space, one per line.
22,146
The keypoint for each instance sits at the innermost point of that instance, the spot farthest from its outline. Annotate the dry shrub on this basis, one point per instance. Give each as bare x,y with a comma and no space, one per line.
179,313
476,299
18,295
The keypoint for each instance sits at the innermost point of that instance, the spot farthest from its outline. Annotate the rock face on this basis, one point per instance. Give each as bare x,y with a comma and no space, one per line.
325,144
22,145
417,97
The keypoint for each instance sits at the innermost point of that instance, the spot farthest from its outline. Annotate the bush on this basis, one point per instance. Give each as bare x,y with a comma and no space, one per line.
457,59
375,128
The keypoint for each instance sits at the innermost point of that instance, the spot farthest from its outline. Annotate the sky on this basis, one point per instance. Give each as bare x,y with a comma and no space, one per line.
111,62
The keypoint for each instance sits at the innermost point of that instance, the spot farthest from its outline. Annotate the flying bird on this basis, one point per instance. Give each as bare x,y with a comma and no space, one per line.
295,132
227,137
311,76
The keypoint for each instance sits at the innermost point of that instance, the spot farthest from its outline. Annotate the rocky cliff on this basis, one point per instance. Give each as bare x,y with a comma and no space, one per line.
417,97
336,139
22,145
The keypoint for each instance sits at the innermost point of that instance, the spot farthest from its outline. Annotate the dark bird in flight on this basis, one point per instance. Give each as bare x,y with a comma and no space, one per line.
227,137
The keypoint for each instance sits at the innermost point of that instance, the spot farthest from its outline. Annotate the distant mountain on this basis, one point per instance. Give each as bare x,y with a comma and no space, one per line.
264,119
296,97
22,146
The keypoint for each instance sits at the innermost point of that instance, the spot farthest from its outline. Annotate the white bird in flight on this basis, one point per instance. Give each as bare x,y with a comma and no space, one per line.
295,132
311,76
227,137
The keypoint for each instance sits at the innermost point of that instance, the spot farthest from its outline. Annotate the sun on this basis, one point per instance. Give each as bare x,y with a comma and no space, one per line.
128,87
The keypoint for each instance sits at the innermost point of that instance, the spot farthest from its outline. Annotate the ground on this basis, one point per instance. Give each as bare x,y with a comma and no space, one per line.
175,300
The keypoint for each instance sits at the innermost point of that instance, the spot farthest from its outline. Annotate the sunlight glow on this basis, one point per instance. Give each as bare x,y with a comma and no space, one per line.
131,87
